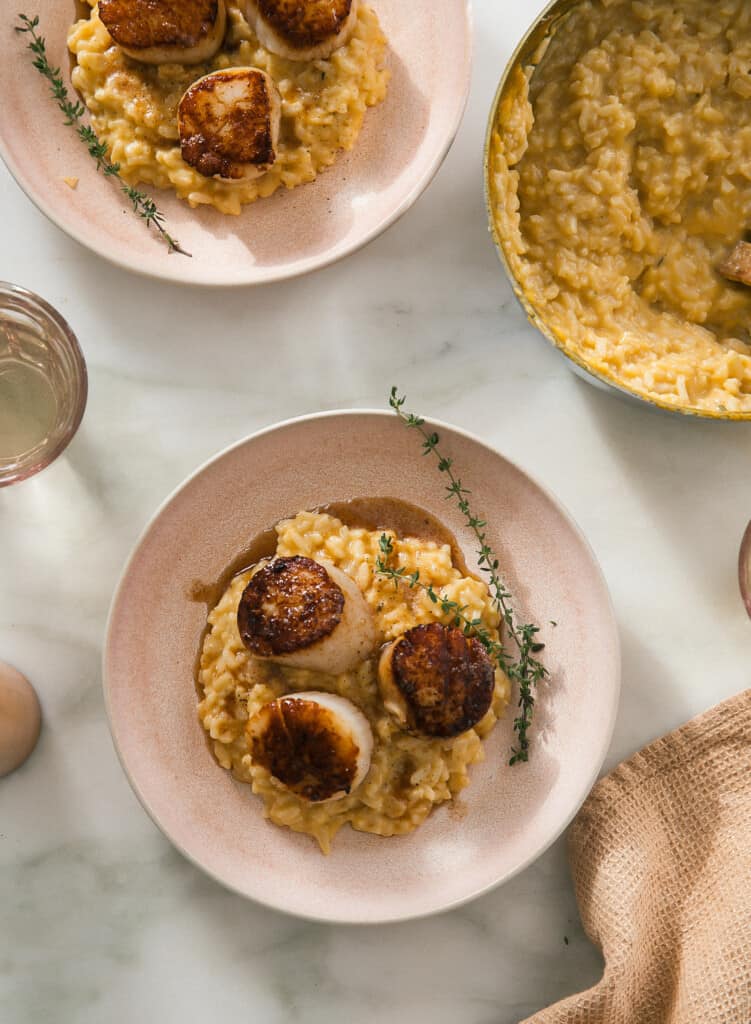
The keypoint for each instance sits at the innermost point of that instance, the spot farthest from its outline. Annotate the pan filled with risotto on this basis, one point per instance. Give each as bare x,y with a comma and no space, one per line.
619,194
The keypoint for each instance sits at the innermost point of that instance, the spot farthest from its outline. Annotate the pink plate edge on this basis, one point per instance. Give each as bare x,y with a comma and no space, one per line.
306,267
744,569
474,894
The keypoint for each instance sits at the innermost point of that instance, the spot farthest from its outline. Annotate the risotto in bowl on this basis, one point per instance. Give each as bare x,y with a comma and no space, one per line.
217,667
411,771
134,106
618,188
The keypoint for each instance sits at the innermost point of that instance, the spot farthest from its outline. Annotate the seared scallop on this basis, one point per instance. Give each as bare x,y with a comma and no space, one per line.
318,745
436,681
302,29
229,124
737,264
166,31
306,614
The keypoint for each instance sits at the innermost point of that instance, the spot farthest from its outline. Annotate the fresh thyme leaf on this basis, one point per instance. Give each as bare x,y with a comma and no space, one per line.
73,111
522,667
386,544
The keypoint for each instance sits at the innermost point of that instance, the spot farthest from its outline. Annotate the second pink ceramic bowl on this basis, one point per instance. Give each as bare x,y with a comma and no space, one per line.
504,819
402,145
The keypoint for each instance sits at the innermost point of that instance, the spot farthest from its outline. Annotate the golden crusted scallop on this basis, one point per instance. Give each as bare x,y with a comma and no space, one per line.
318,745
165,31
229,124
303,29
290,603
307,614
436,680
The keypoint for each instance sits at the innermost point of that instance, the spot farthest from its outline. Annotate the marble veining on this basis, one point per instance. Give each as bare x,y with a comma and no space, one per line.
100,920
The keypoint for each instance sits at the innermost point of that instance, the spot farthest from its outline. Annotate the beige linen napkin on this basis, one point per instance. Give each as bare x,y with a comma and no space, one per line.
661,859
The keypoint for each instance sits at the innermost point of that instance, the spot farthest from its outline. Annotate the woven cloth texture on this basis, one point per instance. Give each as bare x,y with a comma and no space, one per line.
661,860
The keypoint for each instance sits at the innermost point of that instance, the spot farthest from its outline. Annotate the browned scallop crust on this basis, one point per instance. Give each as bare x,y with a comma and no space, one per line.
305,23
218,139
142,24
300,745
288,605
446,679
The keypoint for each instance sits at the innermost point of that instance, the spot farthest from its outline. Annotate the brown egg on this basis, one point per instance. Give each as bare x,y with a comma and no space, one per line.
20,719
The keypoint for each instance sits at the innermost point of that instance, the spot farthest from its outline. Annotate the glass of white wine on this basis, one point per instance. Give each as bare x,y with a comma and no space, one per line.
43,384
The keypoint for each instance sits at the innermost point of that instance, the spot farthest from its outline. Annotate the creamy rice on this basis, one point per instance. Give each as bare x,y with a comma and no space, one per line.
621,176
409,775
133,106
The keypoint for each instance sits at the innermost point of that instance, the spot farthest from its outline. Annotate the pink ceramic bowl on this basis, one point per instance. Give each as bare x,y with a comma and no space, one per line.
402,145
744,569
504,819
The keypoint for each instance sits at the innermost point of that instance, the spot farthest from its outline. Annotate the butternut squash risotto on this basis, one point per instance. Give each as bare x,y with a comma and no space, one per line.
409,775
133,106
620,178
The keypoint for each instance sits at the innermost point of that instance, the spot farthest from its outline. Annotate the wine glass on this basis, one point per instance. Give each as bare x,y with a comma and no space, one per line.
43,384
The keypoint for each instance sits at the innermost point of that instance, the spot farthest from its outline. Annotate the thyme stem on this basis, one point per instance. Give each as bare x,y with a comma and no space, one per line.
523,668
73,111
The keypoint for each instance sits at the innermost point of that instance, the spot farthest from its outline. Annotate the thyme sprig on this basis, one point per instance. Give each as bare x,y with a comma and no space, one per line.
452,610
73,111
521,666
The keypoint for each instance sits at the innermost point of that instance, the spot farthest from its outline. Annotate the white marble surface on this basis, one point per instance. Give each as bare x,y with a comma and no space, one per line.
100,919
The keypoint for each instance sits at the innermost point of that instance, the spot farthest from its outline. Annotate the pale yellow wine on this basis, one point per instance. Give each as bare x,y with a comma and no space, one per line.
28,408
